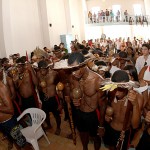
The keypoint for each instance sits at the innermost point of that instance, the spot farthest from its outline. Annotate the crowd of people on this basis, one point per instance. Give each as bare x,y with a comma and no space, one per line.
109,16
105,83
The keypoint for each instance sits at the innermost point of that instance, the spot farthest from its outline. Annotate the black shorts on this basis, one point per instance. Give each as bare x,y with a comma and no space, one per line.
87,122
28,102
144,143
50,104
111,137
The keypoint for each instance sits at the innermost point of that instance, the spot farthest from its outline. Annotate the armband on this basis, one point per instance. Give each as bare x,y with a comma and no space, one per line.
100,127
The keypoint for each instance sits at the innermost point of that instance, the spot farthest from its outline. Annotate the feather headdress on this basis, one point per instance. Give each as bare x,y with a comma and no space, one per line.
110,86
40,53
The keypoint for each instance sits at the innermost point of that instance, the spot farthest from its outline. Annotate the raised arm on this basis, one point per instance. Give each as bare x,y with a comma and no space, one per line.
33,74
136,114
102,102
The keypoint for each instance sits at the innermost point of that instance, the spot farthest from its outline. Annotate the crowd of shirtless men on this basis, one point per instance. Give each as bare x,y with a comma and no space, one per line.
106,85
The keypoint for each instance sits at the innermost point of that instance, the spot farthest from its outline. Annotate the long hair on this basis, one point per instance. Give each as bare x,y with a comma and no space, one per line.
132,71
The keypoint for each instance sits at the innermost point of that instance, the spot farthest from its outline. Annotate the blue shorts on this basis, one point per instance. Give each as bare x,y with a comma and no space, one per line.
11,129
8,125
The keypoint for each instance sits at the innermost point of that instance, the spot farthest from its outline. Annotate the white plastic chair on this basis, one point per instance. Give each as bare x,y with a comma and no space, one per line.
34,132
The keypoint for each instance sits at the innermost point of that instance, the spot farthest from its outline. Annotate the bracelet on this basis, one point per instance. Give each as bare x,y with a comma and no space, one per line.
100,127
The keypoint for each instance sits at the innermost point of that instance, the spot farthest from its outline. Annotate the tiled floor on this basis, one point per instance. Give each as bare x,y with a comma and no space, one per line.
57,142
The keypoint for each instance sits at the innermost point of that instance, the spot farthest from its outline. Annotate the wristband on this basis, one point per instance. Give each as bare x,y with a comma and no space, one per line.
100,127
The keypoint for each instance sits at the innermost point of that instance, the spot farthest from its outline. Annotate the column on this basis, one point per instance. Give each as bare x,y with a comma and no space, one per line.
2,44
68,16
42,6
147,6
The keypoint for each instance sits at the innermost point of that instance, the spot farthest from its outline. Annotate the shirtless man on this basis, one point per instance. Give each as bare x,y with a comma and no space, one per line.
7,81
118,103
58,53
7,118
25,81
6,78
121,61
91,98
144,143
5,63
48,80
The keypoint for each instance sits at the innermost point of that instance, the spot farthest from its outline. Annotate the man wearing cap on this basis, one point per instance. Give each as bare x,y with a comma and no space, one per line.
88,99
48,80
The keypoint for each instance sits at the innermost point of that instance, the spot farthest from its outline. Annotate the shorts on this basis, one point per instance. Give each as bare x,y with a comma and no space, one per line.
7,126
87,122
144,143
50,104
111,137
28,102
11,129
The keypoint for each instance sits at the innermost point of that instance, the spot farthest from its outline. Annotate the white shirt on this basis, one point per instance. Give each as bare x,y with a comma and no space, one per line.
118,44
140,63
113,69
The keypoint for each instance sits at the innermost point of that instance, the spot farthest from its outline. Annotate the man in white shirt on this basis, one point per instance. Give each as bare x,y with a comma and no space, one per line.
143,60
118,44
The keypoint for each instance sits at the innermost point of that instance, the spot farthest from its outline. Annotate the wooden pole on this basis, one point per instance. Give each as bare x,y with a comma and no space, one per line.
67,99
125,123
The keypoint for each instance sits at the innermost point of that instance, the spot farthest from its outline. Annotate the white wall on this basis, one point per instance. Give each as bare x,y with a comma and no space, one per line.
42,11
25,25
2,44
107,4
147,6
56,17
77,18
115,31
6,23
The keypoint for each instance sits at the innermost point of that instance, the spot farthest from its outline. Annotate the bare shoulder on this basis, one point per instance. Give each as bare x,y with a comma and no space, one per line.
96,78
3,88
9,79
52,72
